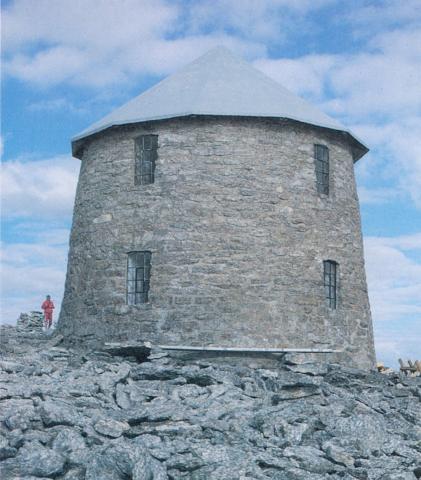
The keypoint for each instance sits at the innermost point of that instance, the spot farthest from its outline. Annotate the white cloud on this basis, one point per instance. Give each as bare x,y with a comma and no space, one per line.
403,242
377,94
398,147
165,56
384,13
306,76
400,340
394,278
54,65
99,43
384,80
102,24
42,189
378,196
384,83
57,104
105,42
29,271
262,20
394,284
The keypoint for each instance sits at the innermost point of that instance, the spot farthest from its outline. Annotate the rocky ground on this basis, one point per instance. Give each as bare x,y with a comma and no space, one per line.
69,414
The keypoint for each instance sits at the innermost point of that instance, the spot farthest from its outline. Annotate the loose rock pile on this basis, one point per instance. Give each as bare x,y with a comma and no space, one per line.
30,323
71,415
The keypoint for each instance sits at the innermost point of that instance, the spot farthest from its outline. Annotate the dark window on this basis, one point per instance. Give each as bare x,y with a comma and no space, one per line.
330,282
146,153
138,275
321,161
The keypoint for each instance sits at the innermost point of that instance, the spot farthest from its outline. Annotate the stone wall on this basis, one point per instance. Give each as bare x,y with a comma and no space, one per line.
238,235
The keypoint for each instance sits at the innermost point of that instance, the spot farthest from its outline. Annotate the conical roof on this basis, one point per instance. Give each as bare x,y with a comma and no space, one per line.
217,83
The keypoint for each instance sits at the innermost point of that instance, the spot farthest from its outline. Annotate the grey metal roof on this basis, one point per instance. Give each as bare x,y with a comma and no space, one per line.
217,83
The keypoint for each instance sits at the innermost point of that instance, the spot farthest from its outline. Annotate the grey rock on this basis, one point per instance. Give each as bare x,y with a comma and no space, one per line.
128,349
187,462
122,396
109,379
365,431
123,460
75,474
35,459
67,441
291,392
337,454
6,451
27,477
42,436
151,371
310,459
55,340
313,369
57,412
293,433
266,461
18,413
31,323
399,476
295,473
11,367
111,428
202,419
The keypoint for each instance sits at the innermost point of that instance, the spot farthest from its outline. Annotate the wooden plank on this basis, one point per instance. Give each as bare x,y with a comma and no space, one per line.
189,348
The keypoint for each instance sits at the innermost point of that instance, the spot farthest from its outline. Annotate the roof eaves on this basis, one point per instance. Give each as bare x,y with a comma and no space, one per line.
362,149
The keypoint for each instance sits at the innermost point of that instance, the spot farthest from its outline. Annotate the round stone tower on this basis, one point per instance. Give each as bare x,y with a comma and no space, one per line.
218,209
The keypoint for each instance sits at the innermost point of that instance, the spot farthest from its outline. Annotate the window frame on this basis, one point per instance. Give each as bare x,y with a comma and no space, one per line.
146,155
139,265
330,282
322,168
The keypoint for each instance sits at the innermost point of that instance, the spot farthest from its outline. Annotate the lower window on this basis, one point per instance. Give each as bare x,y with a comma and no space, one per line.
330,268
138,276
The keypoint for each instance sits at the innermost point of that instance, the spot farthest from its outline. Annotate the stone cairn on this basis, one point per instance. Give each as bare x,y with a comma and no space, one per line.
32,322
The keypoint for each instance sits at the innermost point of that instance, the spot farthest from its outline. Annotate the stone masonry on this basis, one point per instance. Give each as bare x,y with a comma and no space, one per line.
238,235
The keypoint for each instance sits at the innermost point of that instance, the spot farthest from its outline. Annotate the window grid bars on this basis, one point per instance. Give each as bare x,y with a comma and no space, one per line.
330,282
321,160
146,154
138,277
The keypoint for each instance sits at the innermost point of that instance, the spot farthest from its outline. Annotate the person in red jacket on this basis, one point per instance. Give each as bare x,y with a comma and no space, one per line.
48,307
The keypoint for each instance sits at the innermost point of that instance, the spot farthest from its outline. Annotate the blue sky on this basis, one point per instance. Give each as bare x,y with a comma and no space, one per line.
66,63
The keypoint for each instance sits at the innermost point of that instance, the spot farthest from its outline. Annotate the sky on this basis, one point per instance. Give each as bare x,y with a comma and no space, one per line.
67,63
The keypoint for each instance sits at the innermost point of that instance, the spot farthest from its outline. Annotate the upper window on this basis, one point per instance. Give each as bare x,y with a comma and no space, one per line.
146,153
330,282
138,275
321,161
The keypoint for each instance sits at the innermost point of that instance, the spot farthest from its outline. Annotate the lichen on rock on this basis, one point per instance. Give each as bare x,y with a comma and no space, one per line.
70,414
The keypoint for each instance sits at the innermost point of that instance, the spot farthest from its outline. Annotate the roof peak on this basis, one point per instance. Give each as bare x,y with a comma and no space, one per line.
219,83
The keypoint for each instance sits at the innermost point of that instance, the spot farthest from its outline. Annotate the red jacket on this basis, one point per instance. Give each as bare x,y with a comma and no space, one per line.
48,306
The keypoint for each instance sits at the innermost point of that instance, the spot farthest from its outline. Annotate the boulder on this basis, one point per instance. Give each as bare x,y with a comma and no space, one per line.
111,428
58,412
98,416
39,461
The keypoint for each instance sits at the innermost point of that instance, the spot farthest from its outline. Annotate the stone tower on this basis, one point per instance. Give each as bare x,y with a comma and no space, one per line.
217,208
